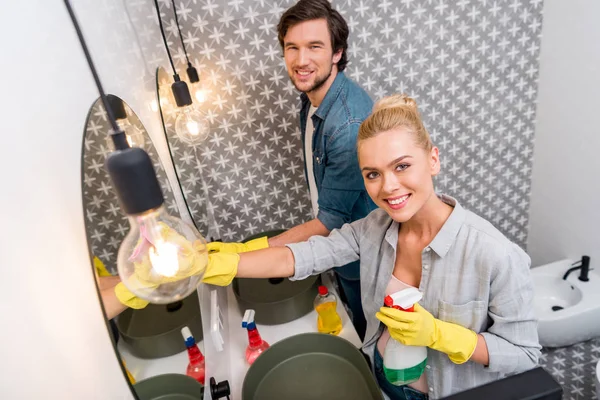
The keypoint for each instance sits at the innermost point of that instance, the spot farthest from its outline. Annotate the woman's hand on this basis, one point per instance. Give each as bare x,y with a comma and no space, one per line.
420,328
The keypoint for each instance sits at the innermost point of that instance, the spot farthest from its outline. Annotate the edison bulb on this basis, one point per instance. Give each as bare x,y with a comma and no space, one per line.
190,126
162,259
198,91
135,136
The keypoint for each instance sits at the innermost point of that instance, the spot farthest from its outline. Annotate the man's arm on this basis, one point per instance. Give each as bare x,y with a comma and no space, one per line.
300,233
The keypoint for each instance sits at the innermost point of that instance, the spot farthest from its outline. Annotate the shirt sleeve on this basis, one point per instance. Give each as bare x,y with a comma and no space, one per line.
512,339
321,253
342,183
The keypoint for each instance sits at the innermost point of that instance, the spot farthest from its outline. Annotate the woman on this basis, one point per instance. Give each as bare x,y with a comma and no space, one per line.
476,315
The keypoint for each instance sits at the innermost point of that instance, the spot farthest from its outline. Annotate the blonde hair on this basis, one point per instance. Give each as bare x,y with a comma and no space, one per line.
393,112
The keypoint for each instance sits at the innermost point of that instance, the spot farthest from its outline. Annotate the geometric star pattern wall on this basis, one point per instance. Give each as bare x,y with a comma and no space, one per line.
472,66
105,223
574,367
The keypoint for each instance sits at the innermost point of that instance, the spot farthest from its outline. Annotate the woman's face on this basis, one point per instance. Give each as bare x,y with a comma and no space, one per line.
398,174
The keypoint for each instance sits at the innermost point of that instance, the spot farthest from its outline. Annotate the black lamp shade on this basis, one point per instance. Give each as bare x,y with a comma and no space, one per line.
134,179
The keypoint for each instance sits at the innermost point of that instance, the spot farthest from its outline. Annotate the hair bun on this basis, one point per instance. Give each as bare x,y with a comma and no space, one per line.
395,101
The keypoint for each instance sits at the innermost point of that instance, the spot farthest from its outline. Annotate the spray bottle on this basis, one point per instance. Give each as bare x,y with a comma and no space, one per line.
255,343
403,364
195,368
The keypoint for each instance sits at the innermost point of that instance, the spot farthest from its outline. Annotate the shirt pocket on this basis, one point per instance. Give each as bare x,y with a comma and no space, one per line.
470,315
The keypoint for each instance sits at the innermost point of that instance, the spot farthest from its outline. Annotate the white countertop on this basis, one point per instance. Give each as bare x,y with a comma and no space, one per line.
238,341
274,333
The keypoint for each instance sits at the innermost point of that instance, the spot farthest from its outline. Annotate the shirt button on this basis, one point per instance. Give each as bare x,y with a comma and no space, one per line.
427,249
428,366
425,266
431,389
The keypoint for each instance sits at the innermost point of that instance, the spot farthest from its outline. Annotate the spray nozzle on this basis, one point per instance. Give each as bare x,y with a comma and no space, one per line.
248,320
404,299
187,336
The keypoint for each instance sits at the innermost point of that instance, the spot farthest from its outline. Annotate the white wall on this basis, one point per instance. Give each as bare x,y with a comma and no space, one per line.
565,200
53,340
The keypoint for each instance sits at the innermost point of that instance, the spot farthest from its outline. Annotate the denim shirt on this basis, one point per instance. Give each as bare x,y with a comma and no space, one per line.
472,275
342,194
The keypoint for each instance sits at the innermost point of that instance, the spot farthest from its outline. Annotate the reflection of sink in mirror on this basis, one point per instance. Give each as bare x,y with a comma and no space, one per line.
155,331
149,340
568,309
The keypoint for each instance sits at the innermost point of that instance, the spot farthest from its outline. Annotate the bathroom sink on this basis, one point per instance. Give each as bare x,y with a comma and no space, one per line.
568,310
554,294
275,300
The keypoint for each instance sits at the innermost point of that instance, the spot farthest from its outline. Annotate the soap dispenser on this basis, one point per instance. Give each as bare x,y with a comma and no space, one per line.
256,345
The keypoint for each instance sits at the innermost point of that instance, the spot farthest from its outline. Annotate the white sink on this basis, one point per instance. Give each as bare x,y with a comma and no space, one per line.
568,310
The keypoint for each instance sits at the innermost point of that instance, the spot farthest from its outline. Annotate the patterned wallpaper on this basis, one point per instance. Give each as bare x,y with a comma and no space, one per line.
105,223
471,65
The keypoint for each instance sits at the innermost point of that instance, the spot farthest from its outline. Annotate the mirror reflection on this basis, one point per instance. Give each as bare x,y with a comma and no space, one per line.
150,337
187,152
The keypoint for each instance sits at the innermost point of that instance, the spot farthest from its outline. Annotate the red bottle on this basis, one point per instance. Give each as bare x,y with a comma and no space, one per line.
195,368
255,343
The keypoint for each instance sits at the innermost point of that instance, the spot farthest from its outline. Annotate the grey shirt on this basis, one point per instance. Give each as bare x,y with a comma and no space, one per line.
472,275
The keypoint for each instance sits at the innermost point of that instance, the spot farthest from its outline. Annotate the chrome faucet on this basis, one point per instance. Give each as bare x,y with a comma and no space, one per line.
584,265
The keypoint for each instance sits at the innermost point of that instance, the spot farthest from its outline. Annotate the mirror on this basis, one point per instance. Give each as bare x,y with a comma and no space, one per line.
149,340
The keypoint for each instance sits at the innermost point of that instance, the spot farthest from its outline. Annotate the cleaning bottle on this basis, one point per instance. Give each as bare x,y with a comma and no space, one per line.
328,320
403,364
195,368
256,345
129,375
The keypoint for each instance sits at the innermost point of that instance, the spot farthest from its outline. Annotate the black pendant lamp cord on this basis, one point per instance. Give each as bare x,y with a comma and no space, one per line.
88,57
162,32
180,35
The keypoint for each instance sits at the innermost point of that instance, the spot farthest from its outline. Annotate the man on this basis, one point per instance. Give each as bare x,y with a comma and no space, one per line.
314,39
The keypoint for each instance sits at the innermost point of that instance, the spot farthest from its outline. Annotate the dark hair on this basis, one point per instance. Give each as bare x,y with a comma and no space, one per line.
306,10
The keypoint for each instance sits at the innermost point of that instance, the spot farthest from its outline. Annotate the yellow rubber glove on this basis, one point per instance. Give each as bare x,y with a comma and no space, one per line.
251,245
221,268
100,268
129,299
420,328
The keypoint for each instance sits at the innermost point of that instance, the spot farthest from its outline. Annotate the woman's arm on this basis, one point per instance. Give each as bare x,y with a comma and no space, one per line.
481,355
300,260
274,262
512,339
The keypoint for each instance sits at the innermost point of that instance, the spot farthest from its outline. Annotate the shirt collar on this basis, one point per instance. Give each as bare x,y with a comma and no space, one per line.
444,239
330,97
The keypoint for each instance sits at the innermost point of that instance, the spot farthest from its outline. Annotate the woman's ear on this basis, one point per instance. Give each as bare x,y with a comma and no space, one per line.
434,161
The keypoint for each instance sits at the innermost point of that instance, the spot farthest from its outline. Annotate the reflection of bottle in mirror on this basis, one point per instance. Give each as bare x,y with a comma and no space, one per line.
195,368
328,320
256,345
190,126
403,364
129,375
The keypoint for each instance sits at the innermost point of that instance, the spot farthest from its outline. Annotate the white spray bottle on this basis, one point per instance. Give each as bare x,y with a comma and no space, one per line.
403,364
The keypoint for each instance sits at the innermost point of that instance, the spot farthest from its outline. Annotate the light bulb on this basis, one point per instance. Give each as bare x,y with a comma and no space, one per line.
135,137
190,126
162,258
198,92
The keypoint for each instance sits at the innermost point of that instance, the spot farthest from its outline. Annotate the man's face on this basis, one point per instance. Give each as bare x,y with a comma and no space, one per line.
308,55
